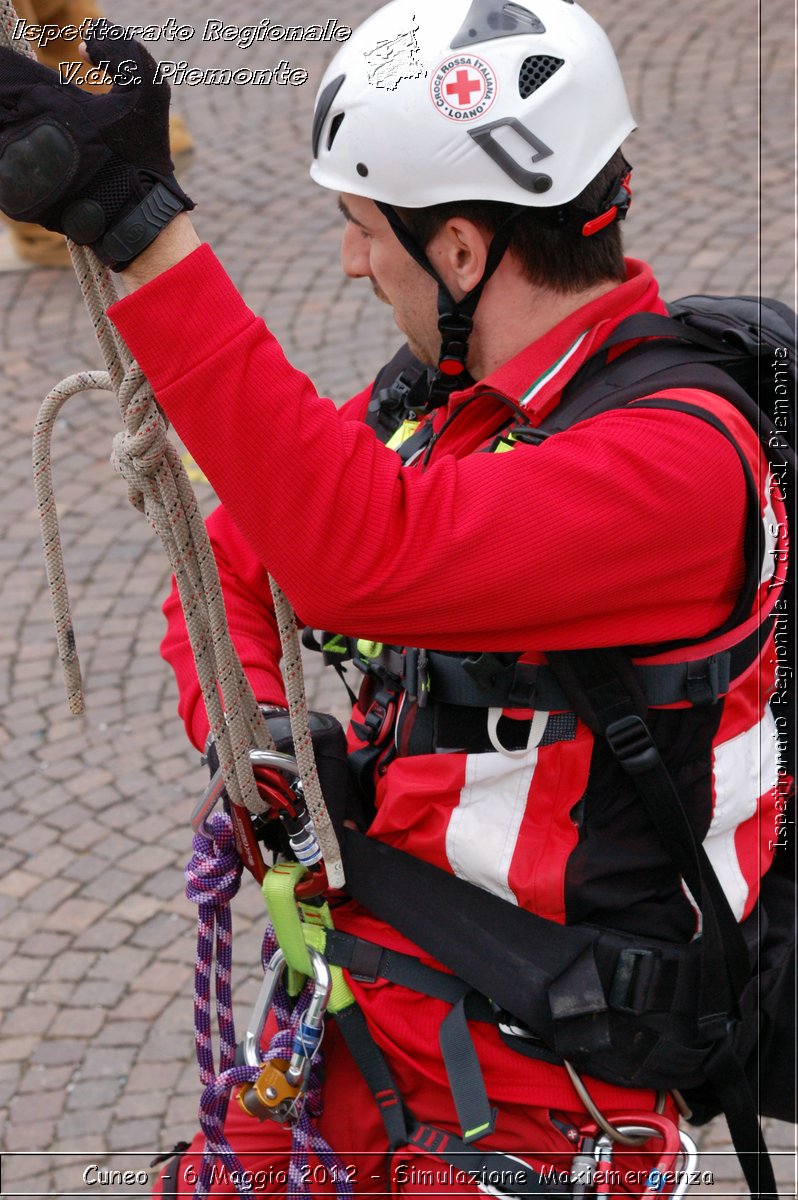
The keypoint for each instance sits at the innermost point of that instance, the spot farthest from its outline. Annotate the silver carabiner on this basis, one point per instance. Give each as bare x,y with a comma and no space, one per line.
278,1092
261,1009
657,1179
215,789
308,1035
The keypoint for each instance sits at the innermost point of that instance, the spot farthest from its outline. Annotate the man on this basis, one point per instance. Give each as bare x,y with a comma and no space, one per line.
476,153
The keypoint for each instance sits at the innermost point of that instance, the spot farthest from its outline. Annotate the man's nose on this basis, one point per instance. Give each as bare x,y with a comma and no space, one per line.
354,252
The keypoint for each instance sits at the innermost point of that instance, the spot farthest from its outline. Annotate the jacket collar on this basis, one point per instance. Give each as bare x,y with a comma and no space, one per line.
535,377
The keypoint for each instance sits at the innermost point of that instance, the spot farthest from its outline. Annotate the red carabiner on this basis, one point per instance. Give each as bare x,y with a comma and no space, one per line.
661,1177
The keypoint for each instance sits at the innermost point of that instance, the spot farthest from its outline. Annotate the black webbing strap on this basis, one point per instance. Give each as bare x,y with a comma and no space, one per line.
506,1173
374,1069
462,1065
739,1108
602,690
526,685
546,975
477,1118
501,1173
367,961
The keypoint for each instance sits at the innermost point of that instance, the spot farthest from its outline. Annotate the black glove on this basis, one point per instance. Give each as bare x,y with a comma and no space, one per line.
96,168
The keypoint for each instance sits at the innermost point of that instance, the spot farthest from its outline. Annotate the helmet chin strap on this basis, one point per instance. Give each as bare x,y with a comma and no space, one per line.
455,317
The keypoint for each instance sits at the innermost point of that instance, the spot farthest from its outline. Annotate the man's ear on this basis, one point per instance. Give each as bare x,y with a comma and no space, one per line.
459,252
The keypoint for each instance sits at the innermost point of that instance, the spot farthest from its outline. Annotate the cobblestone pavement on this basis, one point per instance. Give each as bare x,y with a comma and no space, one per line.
97,939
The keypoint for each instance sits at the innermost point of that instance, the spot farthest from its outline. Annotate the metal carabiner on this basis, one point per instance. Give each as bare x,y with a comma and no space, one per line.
277,1092
645,1126
286,763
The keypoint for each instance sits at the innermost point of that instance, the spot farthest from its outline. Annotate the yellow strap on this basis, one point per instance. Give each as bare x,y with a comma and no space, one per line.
400,435
297,926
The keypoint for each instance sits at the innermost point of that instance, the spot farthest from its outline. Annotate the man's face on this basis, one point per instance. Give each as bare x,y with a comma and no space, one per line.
371,250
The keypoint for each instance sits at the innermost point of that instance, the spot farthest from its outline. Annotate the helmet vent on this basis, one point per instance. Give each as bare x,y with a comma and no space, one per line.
535,71
323,106
487,20
335,125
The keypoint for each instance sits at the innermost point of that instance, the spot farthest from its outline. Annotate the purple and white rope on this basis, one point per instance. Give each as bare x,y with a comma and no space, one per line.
213,876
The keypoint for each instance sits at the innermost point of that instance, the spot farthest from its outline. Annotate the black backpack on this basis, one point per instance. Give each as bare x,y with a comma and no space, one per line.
565,982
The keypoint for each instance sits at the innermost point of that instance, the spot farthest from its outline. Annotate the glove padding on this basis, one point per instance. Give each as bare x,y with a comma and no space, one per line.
95,168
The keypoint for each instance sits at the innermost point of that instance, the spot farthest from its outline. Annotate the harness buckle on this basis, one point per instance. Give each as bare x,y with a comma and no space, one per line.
379,716
632,744
704,683
416,676
633,974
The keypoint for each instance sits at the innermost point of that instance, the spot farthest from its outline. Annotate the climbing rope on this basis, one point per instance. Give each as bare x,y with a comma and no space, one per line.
158,486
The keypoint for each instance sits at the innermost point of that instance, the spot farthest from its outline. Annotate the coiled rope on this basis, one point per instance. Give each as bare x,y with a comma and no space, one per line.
159,487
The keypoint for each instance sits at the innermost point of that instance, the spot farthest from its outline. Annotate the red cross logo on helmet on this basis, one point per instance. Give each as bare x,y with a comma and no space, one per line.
463,87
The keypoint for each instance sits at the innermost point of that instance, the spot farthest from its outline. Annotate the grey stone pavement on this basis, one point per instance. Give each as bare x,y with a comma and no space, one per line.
96,1056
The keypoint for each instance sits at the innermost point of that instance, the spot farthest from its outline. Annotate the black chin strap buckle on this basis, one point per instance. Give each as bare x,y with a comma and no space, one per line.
455,330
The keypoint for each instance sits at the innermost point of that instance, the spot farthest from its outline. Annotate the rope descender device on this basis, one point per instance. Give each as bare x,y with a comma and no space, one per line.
300,927
279,1089
284,794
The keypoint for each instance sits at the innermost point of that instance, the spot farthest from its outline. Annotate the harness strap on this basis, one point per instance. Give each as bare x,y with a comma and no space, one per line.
367,962
477,1118
740,1110
489,1168
573,986
603,691
374,1069
504,1172
489,680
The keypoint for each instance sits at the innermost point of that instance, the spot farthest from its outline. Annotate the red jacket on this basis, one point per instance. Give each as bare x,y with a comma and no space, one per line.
626,529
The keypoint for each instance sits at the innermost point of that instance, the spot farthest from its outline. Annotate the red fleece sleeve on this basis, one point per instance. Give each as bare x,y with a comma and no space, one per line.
611,531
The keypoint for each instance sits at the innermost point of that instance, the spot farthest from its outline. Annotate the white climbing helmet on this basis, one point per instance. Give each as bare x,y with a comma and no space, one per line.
438,100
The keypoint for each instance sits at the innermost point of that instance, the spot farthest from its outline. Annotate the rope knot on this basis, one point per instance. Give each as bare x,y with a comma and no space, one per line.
213,873
139,451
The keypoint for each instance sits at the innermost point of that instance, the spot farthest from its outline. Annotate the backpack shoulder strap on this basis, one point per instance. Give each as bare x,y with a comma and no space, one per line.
675,355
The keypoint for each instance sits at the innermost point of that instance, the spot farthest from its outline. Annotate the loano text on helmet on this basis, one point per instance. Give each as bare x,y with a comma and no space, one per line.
463,87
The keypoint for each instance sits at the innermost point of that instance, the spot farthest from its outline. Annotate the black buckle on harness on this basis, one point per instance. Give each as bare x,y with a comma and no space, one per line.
634,972
632,744
417,681
704,681
378,719
365,962
494,671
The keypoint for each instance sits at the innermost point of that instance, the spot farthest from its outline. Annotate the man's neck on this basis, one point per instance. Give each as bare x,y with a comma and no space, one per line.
513,313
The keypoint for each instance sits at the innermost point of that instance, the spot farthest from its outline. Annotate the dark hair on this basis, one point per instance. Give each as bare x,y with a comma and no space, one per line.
557,256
